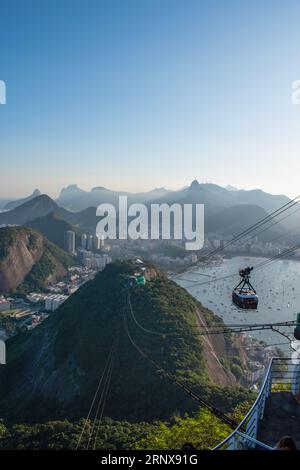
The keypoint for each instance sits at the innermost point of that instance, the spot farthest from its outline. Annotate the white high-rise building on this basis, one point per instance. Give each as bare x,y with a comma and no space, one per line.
84,240
70,242
97,242
52,302
90,242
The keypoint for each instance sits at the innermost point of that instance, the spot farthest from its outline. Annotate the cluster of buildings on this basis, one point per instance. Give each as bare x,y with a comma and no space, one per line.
34,303
88,242
77,276
52,302
35,298
91,253
25,314
91,242
259,355
249,246
4,304
92,260
30,311
173,263
19,316
256,371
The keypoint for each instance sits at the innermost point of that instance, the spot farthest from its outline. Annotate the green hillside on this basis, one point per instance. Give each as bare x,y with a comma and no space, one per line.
65,356
9,236
202,429
53,228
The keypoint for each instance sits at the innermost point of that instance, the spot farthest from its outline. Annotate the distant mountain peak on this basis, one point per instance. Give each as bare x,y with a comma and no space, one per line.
36,192
194,184
44,197
31,209
159,189
72,186
18,202
99,188
70,190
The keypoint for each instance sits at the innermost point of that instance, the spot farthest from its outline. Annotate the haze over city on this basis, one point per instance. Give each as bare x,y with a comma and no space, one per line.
136,95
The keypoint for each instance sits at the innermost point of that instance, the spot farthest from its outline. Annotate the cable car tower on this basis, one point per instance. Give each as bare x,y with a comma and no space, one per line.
244,295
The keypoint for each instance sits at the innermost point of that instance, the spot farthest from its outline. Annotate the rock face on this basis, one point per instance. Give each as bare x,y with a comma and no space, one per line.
28,259
22,252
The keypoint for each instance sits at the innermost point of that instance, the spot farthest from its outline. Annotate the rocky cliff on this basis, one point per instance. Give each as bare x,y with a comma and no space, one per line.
27,259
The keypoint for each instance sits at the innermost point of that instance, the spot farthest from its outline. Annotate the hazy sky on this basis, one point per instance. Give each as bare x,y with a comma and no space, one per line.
136,94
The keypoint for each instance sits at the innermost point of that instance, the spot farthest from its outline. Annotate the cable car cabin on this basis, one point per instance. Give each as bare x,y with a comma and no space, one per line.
297,333
297,329
136,280
244,294
245,299
140,280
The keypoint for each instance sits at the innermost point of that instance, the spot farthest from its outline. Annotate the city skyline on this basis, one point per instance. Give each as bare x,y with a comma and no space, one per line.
137,95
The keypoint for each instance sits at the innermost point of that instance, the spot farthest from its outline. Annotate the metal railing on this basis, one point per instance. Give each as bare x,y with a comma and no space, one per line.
282,375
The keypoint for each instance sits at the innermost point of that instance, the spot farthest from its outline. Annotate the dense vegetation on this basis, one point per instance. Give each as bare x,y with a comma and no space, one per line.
202,429
10,235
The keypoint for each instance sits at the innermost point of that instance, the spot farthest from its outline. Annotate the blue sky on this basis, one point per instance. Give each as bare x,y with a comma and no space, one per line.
136,94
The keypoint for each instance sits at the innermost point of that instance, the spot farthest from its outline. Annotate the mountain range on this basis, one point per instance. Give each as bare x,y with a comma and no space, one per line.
75,199
227,211
37,207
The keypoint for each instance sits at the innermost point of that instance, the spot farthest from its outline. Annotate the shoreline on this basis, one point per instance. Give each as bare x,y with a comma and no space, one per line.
226,257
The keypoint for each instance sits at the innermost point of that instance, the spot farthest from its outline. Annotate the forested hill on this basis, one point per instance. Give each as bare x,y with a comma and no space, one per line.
53,370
